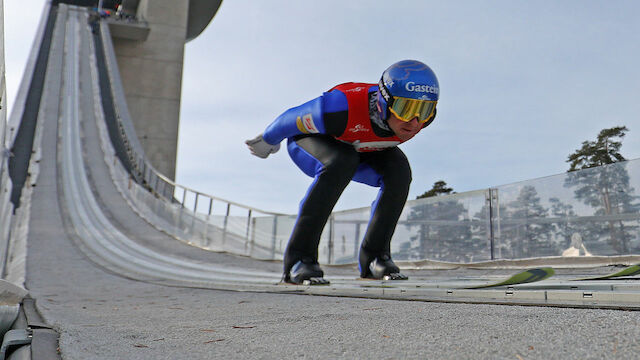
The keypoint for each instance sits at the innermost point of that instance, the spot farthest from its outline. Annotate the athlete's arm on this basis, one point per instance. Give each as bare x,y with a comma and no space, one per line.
326,114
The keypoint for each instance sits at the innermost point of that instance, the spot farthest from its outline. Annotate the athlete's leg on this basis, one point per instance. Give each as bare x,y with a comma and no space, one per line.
394,178
332,164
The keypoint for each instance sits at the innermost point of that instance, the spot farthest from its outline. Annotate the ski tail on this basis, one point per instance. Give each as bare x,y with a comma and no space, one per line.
629,271
524,277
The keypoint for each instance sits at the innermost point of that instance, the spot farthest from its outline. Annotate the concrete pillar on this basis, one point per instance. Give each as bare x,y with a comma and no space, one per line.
151,72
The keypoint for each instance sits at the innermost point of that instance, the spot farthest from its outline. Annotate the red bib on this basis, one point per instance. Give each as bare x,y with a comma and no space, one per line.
359,131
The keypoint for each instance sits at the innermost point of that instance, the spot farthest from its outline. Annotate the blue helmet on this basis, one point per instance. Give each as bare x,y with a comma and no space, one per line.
408,86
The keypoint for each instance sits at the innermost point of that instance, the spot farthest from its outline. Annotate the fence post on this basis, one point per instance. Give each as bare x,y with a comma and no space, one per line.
491,197
330,245
224,227
246,237
356,242
495,222
253,237
274,236
155,187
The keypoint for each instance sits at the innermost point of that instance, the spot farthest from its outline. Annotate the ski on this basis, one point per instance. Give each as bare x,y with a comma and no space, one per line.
314,281
389,277
395,276
525,277
629,271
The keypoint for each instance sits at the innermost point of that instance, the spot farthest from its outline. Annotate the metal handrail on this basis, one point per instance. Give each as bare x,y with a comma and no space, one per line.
199,194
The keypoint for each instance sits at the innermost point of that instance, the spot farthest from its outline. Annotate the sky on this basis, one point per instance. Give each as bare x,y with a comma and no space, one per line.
522,85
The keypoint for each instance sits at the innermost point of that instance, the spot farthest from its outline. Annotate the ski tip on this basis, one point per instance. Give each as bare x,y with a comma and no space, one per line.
524,277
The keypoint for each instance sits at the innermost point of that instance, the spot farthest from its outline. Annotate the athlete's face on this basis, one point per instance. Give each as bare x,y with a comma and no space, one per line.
405,130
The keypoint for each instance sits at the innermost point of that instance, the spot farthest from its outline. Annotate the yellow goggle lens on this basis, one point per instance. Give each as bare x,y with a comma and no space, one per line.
407,109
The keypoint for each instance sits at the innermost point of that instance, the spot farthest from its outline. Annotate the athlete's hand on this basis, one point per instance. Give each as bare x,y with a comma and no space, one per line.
260,148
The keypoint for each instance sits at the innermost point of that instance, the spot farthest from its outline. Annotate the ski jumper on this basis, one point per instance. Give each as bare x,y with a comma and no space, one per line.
336,138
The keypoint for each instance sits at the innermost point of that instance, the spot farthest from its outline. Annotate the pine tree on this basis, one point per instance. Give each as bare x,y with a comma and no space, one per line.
605,150
439,188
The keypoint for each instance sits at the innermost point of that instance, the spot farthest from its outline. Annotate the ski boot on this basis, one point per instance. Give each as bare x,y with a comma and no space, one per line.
379,267
305,272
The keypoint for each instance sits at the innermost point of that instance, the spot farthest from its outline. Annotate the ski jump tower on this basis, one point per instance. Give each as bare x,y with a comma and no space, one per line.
149,38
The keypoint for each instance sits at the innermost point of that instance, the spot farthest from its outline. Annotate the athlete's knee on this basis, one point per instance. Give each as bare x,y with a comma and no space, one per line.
398,180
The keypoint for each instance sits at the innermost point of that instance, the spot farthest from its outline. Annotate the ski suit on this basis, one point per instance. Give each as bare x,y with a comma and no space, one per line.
336,138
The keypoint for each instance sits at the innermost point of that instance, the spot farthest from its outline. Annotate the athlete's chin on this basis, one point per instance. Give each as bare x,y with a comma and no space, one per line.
404,136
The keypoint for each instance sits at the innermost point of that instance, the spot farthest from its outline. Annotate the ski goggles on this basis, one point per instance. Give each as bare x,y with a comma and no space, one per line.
407,109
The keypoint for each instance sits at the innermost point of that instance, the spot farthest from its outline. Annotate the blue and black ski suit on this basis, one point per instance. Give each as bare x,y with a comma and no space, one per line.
336,138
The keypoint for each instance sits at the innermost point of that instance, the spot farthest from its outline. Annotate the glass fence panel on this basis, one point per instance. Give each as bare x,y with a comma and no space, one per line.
283,232
588,212
269,236
262,237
